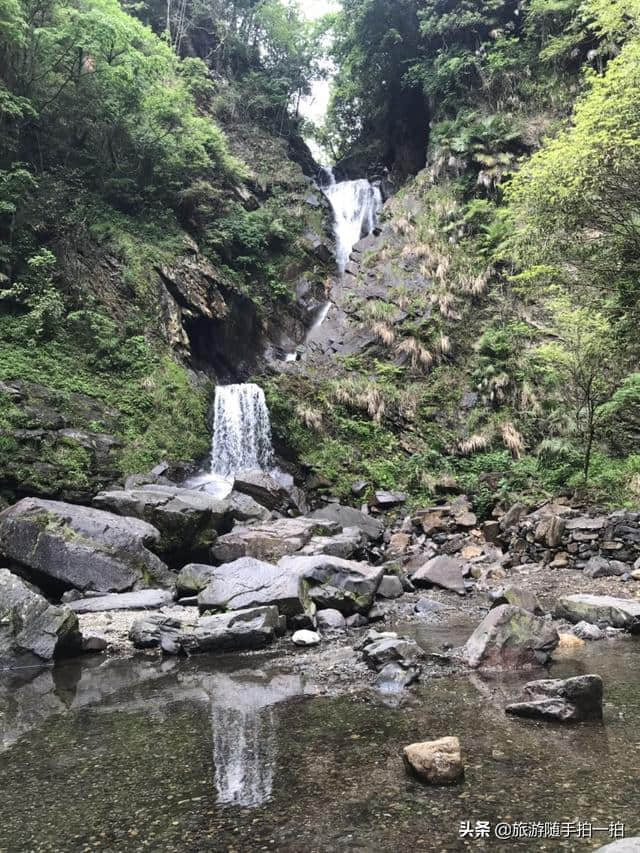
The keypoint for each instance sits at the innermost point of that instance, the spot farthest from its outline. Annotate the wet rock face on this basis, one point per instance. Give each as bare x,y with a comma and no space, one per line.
31,629
435,762
510,637
188,521
602,610
269,493
571,700
62,546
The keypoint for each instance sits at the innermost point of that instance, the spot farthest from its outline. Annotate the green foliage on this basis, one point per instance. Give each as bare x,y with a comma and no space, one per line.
159,413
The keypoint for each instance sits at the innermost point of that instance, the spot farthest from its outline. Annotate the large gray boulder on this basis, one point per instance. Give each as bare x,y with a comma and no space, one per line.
571,700
237,631
264,489
511,637
346,544
252,583
61,546
443,571
143,599
330,582
600,610
189,521
269,540
245,508
31,629
346,517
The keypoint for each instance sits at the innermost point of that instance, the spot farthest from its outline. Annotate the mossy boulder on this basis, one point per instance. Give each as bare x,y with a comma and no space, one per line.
510,637
61,546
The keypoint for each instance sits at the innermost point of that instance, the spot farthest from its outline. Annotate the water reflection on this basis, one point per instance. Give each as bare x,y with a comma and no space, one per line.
244,722
244,725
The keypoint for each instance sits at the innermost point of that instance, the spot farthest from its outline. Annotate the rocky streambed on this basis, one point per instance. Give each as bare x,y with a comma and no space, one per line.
186,673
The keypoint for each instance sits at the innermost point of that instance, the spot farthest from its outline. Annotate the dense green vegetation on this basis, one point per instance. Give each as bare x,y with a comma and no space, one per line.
133,137
517,246
152,142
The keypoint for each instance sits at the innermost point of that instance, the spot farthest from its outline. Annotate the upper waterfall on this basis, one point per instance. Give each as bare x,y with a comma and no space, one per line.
241,430
355,206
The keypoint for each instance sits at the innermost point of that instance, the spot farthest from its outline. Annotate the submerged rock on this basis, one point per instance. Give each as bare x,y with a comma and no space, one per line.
188,521
511,637
144,599
445,572
600,610
436,762
30,627
570,700
330,582
62,546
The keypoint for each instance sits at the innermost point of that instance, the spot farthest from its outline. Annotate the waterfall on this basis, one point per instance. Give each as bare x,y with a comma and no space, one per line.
355,206
241,430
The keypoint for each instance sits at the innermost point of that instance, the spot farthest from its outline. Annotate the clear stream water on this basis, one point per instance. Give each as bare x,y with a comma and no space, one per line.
242,754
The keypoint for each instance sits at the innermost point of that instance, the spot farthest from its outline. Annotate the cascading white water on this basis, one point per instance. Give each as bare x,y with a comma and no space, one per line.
241,430
241,439
355,206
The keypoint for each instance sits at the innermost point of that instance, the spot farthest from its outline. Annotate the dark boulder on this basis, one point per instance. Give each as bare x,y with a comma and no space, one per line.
189,521
572,700
61,546
31,629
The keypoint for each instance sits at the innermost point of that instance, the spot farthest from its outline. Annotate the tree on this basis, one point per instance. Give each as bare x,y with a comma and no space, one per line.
588,367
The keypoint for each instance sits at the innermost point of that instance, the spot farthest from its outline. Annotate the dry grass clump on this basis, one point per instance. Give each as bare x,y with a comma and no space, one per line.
418,354
512,439
310,417
474,444
383,333
362,396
